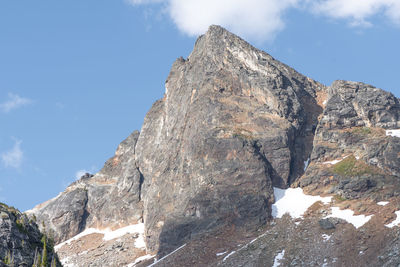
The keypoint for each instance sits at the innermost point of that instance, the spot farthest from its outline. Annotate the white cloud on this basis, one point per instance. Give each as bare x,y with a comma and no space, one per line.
263,19
14,101
13,158
254,19
358,11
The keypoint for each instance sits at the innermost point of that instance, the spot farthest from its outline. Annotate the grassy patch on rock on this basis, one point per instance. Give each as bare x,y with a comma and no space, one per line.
362,130
352,167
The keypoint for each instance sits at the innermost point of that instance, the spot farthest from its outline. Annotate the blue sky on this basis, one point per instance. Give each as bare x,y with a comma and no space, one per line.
77,77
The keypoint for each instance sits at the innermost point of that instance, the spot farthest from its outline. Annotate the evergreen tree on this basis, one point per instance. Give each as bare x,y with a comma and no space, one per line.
39,260
44,253
9,259
53,261
35,259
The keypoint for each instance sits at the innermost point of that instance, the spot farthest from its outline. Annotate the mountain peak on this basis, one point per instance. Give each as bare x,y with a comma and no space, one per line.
217,40
235,124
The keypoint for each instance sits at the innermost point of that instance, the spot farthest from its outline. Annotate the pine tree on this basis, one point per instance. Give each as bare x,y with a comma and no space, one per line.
12,263
9,259
35,259
53,262
39,260
44,253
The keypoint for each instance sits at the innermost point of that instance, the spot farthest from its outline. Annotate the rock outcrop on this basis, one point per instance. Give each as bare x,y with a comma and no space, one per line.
233,124
352,130
109,199
21,240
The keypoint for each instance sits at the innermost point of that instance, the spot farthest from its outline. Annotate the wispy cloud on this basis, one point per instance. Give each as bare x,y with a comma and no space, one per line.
14,101
358,12
262,19
13,158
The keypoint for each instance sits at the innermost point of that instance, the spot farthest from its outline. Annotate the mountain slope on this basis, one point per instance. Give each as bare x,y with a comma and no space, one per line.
235,124
21,240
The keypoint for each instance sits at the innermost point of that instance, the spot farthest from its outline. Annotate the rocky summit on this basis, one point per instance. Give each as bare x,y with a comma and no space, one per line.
243,162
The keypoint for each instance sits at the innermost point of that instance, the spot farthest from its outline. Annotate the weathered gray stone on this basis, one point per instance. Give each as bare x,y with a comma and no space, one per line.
20,238
326,224
233,122
109,199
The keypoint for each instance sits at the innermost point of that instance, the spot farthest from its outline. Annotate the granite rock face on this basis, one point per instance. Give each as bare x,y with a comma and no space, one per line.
234,123
20,239
109,199
352,130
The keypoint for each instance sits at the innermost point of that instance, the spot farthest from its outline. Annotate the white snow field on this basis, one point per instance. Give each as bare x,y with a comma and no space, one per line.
294,202
348,215
336,161
396,222
278,258
382,203
109,234
395,133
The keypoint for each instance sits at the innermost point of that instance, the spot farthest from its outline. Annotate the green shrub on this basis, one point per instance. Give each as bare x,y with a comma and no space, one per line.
362,131
21,225
352,167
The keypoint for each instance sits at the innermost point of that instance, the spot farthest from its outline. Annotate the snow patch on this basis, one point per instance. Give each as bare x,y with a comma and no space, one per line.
326,237
109,235
382,203
65,263
396,222
395,133
221,253
336,161
243,247
131,229
88,231
140,259
324,103
348,215
306,164
157,261
294,202
227,256
278,258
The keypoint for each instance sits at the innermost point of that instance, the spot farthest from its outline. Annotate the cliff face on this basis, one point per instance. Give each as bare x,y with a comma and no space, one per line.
111,198
231,125
234,124
20,239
